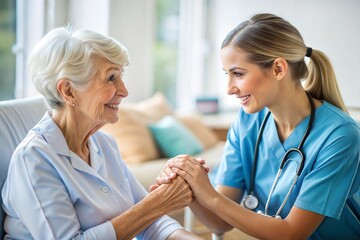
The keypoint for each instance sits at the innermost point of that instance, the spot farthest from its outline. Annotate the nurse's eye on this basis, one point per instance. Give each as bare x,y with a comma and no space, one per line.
238,74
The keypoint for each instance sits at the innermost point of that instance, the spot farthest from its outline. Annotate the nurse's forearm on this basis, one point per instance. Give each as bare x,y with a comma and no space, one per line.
241,218
298,225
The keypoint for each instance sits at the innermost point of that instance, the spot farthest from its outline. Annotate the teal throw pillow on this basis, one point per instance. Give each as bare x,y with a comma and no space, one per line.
174,138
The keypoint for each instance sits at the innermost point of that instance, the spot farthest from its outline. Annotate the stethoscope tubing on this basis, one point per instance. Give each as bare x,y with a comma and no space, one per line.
256,152
283,161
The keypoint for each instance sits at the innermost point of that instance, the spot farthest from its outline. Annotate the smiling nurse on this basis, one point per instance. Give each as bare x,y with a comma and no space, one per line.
292,154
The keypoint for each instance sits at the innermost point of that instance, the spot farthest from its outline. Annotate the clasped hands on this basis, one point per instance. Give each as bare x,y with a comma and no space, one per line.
192,170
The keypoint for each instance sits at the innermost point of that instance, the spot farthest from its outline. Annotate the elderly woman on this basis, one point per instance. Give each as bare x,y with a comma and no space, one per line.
66,179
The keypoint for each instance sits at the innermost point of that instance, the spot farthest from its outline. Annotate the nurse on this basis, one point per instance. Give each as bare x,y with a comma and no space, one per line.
316,194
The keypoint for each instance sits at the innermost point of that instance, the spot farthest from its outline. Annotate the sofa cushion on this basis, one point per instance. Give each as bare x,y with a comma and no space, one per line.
174,138
131,132
206,136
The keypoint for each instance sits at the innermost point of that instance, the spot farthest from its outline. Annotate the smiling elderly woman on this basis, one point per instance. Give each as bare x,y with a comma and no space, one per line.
74,181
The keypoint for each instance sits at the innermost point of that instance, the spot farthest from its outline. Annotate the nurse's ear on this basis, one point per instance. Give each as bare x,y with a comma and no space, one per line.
280,68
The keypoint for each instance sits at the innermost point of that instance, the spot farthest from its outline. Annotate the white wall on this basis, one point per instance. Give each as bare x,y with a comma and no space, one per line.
132,23
89,14
190,68
331,26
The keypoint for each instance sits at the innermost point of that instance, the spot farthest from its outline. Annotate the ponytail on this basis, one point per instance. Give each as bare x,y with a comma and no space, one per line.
321,82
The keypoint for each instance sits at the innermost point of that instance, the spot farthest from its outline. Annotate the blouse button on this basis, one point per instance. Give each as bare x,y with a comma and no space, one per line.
105,189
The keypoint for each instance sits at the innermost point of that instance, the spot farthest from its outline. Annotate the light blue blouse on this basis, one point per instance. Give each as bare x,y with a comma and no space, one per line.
50,193
330,182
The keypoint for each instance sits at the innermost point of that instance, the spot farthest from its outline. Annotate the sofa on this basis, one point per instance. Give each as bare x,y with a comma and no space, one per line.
17,117
134,133
146,150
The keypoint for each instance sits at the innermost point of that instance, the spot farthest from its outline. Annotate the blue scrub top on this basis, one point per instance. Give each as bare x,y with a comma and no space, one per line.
329,183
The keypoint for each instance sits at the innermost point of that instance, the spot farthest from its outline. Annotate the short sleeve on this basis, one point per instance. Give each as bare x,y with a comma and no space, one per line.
326,188
238,156
230,169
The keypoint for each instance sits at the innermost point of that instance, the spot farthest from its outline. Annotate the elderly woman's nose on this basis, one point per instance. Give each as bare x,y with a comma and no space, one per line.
121,89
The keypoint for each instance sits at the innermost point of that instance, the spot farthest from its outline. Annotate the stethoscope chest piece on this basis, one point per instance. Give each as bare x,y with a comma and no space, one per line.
251,202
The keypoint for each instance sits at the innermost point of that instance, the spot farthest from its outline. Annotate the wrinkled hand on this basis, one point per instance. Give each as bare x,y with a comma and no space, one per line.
193,172
167,174
175,195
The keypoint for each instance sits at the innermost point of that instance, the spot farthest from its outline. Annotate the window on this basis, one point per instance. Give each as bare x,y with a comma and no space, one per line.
7,40
179,51
166,48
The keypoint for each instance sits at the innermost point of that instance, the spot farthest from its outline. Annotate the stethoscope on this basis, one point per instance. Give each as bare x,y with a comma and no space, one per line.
251,202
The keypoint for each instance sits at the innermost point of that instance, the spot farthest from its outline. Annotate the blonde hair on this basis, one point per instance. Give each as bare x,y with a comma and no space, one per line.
65,53
266,37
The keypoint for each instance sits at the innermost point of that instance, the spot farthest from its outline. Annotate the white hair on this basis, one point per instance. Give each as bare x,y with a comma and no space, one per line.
63,53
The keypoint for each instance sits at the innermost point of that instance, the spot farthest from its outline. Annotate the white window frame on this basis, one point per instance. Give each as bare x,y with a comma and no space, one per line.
30,27
190,69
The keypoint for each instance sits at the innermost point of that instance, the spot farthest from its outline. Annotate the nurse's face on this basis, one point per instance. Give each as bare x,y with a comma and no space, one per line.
100,102
254,87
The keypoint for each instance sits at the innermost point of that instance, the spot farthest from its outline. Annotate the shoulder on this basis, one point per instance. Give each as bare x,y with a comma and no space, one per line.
33,154
331,120
336,133
330,112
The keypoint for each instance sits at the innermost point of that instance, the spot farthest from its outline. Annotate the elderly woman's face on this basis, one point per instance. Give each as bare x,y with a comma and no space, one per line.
100,102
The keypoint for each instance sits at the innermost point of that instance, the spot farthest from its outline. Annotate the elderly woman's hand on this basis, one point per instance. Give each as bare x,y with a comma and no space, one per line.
175,195
195,174
167,174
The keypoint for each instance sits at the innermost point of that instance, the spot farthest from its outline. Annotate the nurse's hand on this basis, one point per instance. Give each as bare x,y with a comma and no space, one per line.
166,175
195,175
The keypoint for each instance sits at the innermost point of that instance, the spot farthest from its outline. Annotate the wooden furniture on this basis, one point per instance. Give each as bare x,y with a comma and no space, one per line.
219,123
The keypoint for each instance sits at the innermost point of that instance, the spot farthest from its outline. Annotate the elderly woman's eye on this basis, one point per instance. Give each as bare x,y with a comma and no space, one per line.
111,78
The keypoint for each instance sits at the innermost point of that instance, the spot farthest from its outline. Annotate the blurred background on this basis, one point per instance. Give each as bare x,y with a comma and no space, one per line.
174,45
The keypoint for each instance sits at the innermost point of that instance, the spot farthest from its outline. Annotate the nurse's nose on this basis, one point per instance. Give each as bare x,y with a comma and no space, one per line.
231,88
